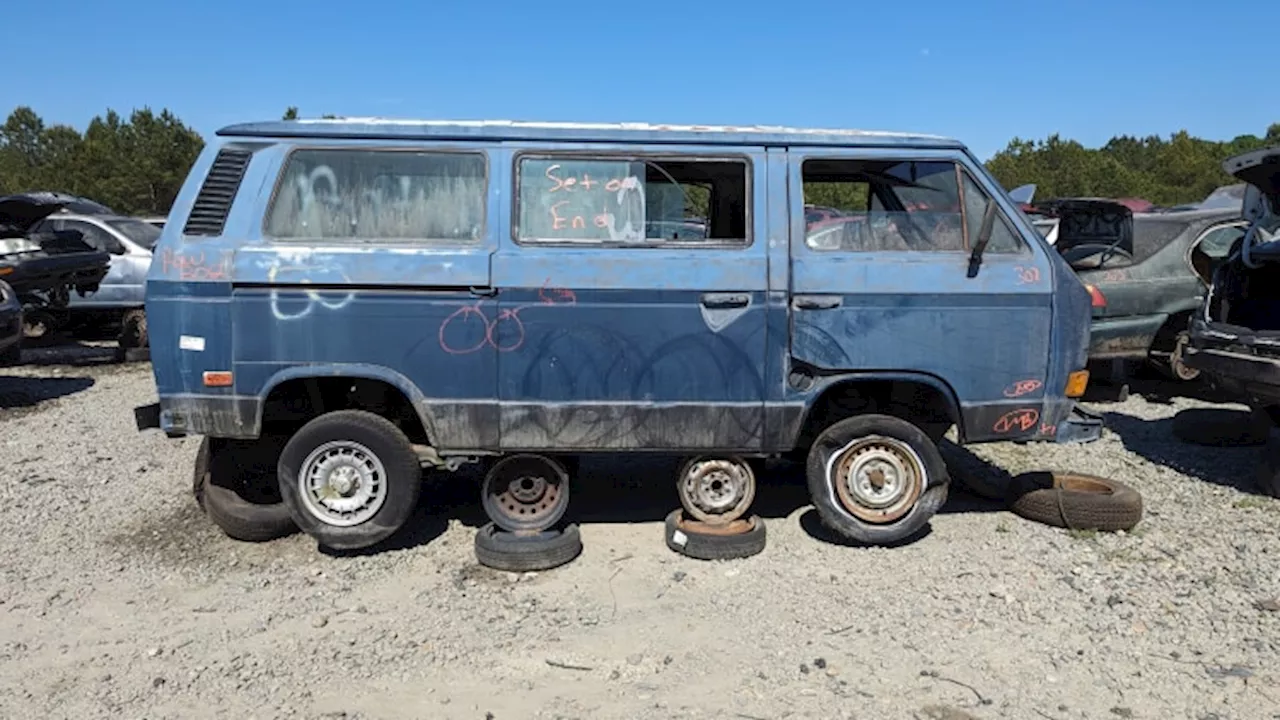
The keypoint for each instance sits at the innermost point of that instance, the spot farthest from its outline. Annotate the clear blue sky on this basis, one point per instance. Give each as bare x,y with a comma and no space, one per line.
980,71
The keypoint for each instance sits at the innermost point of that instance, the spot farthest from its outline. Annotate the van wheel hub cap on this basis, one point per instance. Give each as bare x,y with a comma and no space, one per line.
343,483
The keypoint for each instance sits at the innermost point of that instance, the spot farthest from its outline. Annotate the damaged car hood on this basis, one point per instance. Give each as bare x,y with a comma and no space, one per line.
18,213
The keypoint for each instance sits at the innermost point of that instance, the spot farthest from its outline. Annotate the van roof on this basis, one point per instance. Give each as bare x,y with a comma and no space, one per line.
376,128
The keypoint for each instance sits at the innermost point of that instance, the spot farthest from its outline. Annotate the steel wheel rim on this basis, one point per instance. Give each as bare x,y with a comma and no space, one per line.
525,493
716,491
342,483
877,479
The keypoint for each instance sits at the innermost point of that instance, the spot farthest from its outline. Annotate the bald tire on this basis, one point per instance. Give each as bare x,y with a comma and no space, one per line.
706,546
501,550
1076,501
838,519
221,482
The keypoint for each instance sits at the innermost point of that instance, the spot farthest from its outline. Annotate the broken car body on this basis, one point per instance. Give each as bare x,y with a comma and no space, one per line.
1235,336
45,267
1147,273
380,292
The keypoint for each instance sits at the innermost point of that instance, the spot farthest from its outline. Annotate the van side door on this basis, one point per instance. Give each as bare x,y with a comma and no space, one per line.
884,282
632,289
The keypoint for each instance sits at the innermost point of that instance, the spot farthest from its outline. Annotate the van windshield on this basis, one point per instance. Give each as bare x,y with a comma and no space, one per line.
140,232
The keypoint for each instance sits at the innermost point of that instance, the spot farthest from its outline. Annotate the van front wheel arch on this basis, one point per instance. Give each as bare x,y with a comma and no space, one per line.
876,479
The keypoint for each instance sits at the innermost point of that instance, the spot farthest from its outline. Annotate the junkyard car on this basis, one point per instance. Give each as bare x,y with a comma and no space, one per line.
121,294
1235,335
378,295
45,268
10,326
1146,273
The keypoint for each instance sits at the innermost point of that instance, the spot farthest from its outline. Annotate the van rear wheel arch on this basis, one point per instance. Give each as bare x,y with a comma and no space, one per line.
291,400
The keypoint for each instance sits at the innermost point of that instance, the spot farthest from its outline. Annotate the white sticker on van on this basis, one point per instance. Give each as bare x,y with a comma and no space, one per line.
191,342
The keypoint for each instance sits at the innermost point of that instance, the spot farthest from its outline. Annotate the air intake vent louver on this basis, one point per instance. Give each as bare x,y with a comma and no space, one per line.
209,213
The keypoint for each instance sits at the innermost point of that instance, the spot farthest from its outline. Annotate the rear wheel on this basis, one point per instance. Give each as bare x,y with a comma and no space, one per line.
876,479
350,478
133,329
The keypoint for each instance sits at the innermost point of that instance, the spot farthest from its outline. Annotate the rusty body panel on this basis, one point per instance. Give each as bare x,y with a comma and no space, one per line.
499,345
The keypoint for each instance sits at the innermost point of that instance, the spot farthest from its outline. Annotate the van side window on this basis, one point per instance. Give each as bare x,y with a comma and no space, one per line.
884,205
632,200
1003,238
374,195
897,205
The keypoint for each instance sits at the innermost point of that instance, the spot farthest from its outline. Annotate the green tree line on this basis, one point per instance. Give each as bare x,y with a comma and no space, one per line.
137,165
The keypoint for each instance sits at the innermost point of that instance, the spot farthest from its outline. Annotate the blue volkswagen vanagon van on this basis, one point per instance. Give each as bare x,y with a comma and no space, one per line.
366,298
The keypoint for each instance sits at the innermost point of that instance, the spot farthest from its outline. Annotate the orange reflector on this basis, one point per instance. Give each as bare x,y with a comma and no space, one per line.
6,271
1096,298
217,378
1076,383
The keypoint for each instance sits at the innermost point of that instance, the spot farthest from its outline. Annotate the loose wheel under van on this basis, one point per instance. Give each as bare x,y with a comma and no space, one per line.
876,479
351,479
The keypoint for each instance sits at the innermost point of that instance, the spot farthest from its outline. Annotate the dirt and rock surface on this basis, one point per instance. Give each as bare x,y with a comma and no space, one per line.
119,599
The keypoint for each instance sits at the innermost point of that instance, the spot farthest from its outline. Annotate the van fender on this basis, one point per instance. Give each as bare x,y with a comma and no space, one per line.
353,370
826,382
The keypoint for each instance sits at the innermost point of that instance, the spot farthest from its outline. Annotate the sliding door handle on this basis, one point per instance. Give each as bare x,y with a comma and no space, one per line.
724,301
817,302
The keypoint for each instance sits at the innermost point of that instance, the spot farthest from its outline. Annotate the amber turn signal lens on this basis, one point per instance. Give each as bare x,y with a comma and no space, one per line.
217,378
1076,383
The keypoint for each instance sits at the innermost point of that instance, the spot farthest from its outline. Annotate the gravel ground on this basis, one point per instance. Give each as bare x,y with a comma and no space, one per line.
119,599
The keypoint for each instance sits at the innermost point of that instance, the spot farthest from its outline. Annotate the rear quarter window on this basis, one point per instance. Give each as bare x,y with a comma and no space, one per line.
363,195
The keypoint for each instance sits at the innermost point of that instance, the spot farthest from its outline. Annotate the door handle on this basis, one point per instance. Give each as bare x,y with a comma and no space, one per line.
484,292
721,301
817,302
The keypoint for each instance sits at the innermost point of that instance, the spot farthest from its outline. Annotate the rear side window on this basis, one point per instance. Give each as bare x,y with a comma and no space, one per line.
361,195
632,201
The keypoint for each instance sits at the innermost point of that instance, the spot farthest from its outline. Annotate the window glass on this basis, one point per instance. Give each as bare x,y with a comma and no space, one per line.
1003,238
139,231
1217,243
632,201
96,237
372,195
883,205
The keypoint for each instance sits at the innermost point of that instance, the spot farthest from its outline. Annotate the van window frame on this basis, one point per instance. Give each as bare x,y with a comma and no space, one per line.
622,155
374,242
962,173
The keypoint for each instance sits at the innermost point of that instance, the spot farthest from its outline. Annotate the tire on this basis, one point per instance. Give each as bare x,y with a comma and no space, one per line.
1268,476
1221,427
11,356
904,437
1076,502
501,550
682,538
375,441
133,330
219,484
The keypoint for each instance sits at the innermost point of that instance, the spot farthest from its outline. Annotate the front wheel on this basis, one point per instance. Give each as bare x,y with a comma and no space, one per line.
876,479
350,478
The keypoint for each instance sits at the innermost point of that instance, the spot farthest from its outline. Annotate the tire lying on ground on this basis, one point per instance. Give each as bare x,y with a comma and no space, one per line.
706,542
502,550
1221,427
1268,473
235,484
1075,501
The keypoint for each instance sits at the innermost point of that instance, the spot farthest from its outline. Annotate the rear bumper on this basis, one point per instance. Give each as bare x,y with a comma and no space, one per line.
1233,362
1124,337
181,415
